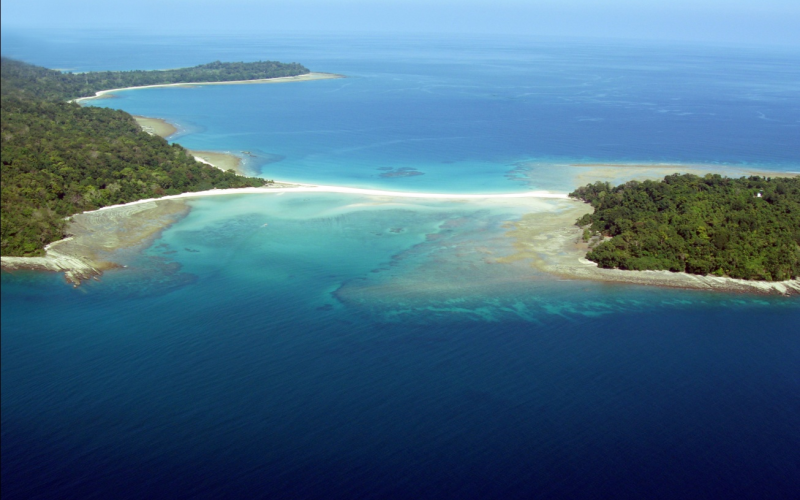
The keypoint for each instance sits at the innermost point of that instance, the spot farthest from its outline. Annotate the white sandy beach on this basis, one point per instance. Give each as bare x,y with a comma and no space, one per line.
309,188
282,79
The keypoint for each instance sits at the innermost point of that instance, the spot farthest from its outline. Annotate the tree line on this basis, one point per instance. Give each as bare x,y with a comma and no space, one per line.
43,83
741,228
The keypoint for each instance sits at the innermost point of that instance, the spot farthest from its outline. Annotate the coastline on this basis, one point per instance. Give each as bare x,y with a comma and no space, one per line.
221,160
549,240
282,79
553,244
156,126
95,235
581,174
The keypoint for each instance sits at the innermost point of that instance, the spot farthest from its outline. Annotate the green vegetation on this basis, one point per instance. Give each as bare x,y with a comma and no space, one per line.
43,83
742,228
59,159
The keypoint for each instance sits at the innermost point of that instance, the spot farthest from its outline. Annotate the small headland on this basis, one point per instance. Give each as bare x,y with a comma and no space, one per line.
553,243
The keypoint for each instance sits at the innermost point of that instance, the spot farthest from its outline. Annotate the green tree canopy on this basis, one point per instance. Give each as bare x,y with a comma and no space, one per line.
742,228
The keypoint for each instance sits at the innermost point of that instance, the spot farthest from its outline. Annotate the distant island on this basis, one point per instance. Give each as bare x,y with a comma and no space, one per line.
59,159
746,228
38,82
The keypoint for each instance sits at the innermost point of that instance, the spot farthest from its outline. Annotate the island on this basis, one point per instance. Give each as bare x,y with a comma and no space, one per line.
746,228
42,83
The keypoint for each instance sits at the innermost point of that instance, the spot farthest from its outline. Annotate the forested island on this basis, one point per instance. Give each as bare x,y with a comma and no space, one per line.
43,83
746,228
59,159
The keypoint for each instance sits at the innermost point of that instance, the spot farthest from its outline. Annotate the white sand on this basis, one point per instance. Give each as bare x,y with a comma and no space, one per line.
308,188
282,79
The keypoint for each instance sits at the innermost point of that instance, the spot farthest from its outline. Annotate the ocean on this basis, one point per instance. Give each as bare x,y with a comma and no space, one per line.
313,345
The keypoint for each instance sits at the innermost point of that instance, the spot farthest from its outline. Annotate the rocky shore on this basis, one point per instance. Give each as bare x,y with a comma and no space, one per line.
94,236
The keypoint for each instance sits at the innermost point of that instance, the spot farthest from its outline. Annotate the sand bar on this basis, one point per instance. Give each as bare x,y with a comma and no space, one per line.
220,160
549,240
309,188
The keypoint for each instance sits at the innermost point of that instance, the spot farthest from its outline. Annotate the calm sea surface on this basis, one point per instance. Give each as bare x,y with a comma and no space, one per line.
339,346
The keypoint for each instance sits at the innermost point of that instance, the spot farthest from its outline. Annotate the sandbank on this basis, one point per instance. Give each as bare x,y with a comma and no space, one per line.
220,160
549,240
310,188
155,126
282,79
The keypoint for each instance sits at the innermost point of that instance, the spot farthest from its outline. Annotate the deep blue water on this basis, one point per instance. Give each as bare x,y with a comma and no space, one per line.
372,348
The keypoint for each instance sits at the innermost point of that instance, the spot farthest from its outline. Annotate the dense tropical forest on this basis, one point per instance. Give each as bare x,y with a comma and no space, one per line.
43,83
742,228
59,159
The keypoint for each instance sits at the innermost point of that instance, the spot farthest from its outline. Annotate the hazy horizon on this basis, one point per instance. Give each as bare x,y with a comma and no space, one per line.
769,22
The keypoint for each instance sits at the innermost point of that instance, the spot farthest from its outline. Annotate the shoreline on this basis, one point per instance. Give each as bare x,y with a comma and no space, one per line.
281,79
156,126
96,236
281,187
222,160
553,244
550,240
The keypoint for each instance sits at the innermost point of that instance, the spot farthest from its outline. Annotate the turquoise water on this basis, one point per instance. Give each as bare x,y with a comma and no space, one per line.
338,346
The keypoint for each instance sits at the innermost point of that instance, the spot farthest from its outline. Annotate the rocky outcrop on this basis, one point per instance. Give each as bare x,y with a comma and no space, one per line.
96,237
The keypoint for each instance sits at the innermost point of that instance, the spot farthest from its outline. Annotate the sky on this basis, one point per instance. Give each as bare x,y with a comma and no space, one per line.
769,22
